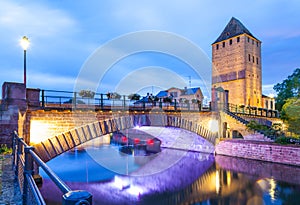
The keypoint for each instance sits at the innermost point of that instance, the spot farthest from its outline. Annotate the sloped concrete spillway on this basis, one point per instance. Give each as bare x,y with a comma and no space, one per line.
115,178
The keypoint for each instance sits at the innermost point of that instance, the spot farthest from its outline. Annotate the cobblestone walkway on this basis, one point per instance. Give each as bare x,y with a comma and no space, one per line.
9,190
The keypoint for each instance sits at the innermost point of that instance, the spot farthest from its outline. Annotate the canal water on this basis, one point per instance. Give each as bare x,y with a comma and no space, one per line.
170,177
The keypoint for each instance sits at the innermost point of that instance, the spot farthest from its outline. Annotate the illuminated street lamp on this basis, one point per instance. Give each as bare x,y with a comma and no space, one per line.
25,45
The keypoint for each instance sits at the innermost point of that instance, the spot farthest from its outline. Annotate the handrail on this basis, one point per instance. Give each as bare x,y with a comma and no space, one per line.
57,181
24,162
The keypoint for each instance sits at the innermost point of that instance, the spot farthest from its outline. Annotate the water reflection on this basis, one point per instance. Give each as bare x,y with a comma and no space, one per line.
194,179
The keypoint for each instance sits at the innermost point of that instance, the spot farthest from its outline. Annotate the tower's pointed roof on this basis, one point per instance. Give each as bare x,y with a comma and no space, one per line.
233,28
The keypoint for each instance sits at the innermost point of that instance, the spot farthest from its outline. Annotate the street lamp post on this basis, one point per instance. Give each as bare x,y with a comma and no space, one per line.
24,44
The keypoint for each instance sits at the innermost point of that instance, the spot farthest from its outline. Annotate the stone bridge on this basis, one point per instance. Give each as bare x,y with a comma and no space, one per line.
56,145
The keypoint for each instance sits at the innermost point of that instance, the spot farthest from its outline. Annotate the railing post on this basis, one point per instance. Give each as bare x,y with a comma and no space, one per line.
160,103
28,170
175,104
78,197
43,98
124,103
14,144
75,100
101,101
19,153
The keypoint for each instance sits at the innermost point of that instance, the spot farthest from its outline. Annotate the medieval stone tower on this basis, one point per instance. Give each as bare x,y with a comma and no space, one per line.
236,58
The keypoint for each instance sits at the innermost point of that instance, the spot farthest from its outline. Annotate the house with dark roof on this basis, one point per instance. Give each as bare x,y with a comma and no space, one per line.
182,96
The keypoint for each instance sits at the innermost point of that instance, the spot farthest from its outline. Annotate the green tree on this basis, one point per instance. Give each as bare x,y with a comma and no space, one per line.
134,96
86,93
291,114
289,88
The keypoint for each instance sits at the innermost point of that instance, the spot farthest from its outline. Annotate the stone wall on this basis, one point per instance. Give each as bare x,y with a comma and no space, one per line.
265,151
12,107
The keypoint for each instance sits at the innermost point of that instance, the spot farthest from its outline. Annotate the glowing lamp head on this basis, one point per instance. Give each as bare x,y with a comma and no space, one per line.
25,43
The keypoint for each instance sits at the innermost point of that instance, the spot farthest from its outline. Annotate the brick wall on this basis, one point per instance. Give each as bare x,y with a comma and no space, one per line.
43,124
265,151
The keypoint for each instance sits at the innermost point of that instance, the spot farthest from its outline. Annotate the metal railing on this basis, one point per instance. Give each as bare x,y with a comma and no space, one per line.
26,163
100,101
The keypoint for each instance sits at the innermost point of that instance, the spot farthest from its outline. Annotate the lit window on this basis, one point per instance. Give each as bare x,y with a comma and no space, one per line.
230,41
238,39
223,44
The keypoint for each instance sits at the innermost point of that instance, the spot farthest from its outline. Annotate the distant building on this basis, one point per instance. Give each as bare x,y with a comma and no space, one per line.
236,58
268,102
185,95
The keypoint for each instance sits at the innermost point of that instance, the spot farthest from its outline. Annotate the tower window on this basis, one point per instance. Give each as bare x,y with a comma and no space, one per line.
217,46
253,59
238,39
230,41
256,60
252,41
249,57
223,44
248,39
257,43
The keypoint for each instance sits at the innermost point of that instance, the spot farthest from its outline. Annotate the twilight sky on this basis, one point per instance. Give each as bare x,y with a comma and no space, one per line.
65,33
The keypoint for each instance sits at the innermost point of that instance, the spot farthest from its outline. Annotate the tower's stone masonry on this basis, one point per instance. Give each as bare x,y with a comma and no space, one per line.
236,57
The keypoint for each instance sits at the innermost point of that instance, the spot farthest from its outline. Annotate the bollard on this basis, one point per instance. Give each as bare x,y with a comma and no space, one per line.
77,197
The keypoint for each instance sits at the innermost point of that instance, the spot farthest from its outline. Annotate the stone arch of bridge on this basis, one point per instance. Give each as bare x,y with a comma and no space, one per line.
56,145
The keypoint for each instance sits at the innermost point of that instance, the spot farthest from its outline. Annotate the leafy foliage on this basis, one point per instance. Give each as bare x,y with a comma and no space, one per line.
134,96
5,150
275,131
167,100
115,96
70,101
291,114
289,88
86,93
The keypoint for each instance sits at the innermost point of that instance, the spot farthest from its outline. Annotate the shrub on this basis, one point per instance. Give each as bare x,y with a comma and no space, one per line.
5,150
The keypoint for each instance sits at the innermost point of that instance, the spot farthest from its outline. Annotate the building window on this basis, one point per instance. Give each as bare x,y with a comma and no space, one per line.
253,59
173,94
230,41
257,60
252,42
248,39
249,57
257,101
256,43
223,44
238,39
217,46
271,104
267,104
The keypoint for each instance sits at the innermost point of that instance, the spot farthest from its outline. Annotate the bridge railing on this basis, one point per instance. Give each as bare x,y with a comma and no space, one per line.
250,111
26,163
100,101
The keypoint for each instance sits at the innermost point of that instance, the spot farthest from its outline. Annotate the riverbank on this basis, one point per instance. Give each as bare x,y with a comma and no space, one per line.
9,190
257,150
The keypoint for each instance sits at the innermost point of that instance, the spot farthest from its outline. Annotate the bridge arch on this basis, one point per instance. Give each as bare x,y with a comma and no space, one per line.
54,146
